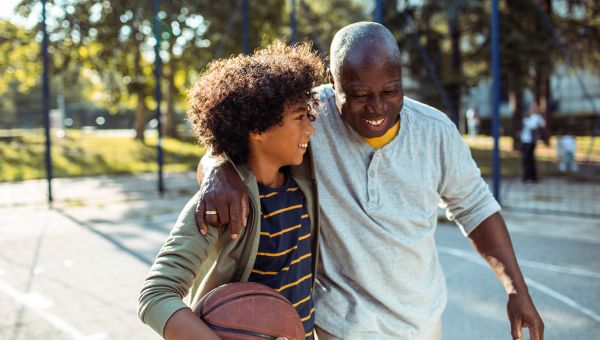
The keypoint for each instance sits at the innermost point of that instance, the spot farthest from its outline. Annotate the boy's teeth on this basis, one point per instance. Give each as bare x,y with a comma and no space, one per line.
304,145
375,122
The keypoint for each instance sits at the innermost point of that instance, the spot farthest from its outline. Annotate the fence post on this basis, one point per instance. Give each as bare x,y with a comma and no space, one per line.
496,99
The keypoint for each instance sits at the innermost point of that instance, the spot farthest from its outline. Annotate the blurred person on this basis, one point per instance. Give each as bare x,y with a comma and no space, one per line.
256,111
532,131
472,121
566,147
384,162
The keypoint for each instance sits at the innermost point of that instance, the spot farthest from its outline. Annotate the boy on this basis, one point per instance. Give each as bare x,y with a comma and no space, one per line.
255,110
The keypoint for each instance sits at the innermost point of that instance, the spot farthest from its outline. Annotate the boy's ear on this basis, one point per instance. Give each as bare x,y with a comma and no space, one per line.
256,136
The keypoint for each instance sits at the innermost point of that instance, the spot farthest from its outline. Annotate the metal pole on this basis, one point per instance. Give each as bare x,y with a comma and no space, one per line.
378,12
496,98
157,93
245,27
293,23
46,101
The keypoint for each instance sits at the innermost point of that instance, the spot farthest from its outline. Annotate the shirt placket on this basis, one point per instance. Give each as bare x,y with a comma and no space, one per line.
372,186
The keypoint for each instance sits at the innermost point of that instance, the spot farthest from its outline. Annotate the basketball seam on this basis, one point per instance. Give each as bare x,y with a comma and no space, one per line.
239,331
206,312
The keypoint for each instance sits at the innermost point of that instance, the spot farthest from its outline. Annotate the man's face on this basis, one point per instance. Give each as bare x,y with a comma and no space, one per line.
368,92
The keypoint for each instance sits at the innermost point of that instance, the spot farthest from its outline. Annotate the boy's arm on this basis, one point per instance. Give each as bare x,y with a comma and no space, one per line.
492,241
181,260
184,325
222,194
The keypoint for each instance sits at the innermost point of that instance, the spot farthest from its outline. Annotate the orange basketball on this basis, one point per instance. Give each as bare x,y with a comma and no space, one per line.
249,310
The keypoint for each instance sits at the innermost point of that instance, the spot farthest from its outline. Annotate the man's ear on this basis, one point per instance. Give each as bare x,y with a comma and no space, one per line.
330,78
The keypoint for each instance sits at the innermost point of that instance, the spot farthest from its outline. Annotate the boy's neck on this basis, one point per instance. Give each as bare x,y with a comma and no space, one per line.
266,173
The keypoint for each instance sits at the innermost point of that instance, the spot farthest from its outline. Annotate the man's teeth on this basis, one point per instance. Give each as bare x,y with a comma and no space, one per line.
375,122
303,145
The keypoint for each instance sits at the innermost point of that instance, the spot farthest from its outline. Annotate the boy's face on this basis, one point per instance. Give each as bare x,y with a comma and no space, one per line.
286,144
368,92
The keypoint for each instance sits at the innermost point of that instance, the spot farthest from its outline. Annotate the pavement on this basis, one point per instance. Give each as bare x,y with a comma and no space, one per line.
73,270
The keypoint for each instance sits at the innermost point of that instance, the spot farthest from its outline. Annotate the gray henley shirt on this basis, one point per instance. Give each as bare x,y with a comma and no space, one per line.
379,274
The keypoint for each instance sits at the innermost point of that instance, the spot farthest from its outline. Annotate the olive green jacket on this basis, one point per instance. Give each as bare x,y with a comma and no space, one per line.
191,263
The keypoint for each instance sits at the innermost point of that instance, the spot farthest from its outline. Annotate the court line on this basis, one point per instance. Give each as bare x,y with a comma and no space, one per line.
529,264
57,322
532,283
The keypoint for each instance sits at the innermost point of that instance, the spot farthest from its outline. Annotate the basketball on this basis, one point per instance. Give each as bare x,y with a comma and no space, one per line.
249,310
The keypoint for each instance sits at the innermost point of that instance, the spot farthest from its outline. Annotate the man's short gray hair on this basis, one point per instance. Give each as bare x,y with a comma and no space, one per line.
360,35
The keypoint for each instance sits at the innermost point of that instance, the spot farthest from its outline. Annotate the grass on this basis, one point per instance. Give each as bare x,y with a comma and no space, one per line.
89,154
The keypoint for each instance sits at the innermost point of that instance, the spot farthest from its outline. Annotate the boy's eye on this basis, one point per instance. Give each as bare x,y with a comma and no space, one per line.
312,117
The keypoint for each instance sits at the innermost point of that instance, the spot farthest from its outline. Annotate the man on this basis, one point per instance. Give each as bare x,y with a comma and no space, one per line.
383,163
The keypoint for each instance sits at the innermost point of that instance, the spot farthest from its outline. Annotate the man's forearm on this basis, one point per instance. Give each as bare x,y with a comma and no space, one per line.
492,241
207,163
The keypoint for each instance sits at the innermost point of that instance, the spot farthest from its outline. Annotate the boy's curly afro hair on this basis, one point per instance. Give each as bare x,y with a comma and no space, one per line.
247,93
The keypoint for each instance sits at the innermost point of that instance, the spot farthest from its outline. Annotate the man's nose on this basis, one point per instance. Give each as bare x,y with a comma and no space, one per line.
376,105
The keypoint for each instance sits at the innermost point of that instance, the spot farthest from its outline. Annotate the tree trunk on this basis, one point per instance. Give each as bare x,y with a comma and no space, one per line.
140,118
170,119
454,88
515,98
140,110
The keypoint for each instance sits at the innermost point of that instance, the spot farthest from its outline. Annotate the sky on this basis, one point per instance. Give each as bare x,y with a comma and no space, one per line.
7,8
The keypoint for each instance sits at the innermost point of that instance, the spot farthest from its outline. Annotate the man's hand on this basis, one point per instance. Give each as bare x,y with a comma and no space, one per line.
522,314
493,243
223,199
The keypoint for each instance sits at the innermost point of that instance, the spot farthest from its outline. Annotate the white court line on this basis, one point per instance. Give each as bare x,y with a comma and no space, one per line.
532,283
27,301
529,264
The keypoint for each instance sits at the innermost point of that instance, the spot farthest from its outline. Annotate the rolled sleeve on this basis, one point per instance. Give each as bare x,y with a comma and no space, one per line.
467,196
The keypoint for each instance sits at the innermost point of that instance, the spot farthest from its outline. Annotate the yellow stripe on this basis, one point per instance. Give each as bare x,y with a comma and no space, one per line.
278,254
304,237
292,189
264,233
284,269
309,314
294,283
283,210
301,258
304,216
264,273
302,301
308,334
268,195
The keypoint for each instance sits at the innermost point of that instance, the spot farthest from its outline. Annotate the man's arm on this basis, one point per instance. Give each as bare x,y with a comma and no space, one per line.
493,243
223,192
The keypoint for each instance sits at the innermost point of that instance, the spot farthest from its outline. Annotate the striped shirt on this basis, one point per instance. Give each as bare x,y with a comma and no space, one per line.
284,258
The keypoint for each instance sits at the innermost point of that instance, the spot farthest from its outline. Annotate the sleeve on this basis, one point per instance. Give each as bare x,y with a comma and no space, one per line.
466,195
179,262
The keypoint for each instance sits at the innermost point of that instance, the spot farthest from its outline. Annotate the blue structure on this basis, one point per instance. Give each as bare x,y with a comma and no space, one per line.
496,99
157,93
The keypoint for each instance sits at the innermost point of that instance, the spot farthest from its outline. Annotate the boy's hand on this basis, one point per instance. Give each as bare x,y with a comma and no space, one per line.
223,200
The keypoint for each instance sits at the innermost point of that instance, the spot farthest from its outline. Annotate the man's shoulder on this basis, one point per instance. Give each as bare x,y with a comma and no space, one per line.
324,91
426,115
